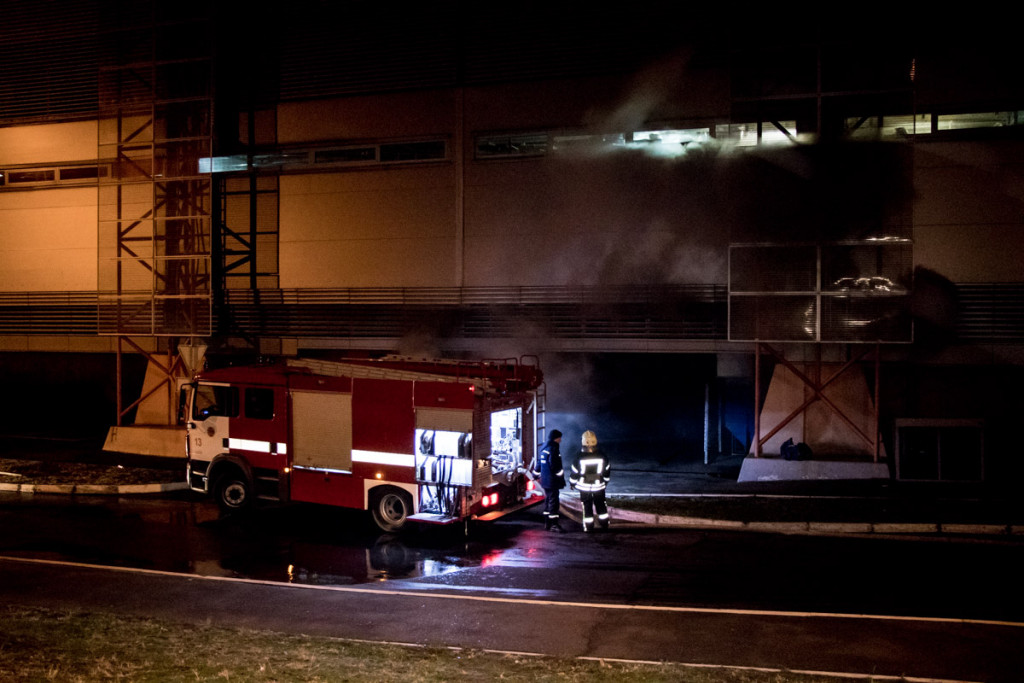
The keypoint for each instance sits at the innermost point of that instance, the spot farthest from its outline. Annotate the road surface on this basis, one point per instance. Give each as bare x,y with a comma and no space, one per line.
924,608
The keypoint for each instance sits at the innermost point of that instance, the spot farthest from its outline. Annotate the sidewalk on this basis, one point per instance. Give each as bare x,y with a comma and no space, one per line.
707,496
681,495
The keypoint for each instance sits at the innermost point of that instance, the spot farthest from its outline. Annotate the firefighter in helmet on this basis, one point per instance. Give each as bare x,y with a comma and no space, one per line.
590,473
548,467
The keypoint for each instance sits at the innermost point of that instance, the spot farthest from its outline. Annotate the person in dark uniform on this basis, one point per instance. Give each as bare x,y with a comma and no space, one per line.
590,474
548,467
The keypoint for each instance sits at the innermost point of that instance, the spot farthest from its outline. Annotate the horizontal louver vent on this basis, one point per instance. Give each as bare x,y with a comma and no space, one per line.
991,312
986,313
48,59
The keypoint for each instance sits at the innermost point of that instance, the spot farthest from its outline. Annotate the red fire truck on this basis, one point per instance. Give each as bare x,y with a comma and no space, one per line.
424,440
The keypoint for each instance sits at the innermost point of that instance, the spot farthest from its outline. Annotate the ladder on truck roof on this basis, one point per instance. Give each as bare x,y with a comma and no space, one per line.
362,371
482,374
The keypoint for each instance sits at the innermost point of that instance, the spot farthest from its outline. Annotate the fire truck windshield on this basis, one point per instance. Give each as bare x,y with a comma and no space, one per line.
214,401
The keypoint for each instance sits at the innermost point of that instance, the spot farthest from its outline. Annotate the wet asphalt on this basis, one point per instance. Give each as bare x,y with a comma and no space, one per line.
354,600
821,506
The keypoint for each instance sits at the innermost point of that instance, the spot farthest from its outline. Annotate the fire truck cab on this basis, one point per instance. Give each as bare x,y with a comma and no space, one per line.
423,440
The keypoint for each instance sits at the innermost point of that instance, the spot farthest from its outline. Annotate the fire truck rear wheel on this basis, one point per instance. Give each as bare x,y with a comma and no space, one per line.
391,508
233,492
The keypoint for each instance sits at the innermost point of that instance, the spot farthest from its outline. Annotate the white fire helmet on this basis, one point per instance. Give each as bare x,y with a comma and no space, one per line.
589,439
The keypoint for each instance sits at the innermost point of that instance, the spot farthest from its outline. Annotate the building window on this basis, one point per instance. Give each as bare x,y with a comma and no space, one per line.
346,155
55,175
31,177
875,127
996,119
662,142
413,151
83,173
747,135
503,146
349,155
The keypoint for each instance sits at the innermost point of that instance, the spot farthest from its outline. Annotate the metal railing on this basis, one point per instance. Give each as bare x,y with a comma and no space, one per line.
688,312
985,312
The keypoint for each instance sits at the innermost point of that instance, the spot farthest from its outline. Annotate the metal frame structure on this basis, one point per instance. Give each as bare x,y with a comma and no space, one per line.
820,311
817,385
154,216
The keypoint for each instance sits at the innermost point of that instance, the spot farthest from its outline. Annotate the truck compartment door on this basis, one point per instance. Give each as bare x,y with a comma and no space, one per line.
322,430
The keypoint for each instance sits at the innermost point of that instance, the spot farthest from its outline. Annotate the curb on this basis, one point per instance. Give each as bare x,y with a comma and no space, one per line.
574,504
94,489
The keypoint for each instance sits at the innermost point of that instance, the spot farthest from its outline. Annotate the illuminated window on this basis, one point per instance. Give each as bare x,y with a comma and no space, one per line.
350,155
997,119
668,143
745,134
876,127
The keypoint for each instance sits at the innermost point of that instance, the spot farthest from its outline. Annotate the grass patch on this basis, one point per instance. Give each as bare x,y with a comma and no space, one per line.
14,471
45,645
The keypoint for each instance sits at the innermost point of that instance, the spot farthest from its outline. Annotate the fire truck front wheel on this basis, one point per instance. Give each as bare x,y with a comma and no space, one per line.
233,492
390,508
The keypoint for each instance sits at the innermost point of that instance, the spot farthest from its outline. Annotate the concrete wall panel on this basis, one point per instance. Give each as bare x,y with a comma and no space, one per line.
374,229
363,118
969,210
48,240
48,143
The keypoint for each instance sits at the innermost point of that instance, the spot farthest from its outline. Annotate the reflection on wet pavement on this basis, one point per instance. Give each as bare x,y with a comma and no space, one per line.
317,547
292,544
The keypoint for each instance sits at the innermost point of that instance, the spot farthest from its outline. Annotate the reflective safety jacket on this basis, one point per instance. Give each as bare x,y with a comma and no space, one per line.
590,471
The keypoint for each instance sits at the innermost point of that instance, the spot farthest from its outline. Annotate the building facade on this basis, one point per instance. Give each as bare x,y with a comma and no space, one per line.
651,202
